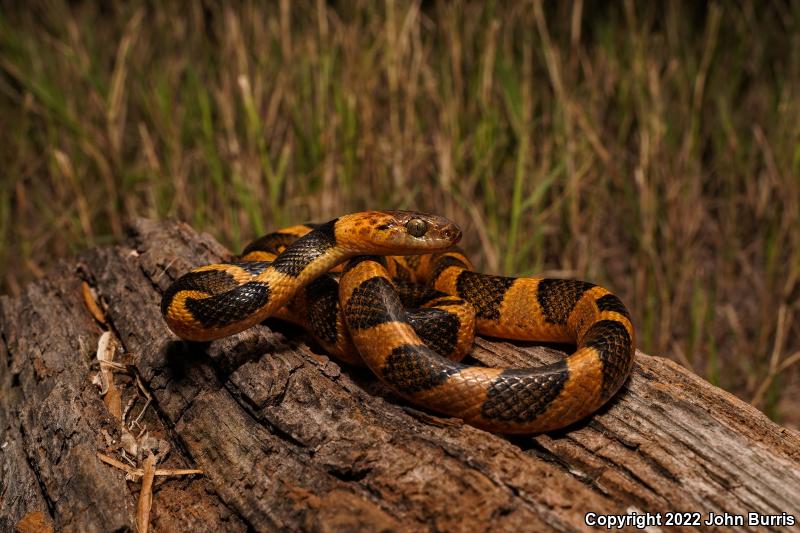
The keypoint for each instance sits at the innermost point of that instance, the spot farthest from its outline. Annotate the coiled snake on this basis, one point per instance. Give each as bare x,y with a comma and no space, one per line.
416,352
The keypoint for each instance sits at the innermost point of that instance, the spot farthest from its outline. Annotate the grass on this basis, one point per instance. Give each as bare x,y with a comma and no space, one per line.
652,148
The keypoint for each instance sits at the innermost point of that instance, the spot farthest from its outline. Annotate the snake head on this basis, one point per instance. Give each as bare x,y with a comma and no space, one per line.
400,232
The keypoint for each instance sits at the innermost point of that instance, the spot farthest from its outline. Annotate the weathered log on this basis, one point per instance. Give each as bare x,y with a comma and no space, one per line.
289,439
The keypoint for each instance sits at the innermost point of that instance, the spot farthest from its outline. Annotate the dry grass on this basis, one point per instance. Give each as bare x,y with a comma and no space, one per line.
653,149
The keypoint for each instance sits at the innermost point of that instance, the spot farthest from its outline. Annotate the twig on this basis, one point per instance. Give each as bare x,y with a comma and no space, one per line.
146,494
138,472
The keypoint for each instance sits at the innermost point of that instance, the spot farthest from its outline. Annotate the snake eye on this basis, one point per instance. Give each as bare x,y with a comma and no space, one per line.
417,227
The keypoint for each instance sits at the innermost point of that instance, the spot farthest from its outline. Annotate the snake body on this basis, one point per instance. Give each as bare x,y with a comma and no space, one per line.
362,316
444,323
218,300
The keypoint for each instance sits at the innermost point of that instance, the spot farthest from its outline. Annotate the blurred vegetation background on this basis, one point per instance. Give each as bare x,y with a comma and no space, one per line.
650,147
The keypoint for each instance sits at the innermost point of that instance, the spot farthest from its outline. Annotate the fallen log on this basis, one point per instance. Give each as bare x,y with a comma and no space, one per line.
287,439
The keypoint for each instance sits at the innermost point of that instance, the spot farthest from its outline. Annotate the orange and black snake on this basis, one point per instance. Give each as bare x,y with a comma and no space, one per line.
416,352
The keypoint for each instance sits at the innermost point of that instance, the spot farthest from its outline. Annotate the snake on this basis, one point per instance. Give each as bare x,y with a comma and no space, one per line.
389,289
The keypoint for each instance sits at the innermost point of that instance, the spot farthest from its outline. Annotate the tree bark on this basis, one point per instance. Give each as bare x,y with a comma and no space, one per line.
289,439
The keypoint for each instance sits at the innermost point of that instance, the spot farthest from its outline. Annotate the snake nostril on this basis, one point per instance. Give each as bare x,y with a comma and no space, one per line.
452,233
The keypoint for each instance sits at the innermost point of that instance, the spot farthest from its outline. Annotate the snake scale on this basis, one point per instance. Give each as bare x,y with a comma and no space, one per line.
407,303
